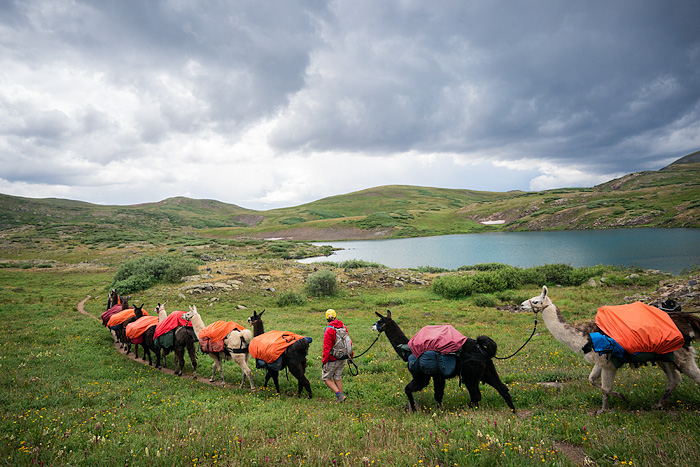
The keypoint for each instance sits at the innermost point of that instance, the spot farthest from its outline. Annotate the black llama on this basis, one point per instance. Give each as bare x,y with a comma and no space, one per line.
474,366
294,358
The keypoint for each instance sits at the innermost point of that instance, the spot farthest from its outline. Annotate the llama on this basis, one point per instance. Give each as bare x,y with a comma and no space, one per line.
114,299
294,358
125,342
474,366
235,348
183,337
603,374
148,343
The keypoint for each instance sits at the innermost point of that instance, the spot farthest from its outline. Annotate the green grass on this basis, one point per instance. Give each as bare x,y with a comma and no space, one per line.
69,398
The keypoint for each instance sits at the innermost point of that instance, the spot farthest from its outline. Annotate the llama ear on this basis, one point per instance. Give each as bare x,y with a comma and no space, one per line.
377,313
388,314
544,291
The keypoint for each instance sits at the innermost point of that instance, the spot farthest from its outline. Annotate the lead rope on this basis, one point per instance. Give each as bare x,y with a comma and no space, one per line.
351,363
534,329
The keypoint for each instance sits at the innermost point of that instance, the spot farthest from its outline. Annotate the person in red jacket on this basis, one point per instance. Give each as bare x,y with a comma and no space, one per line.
332,370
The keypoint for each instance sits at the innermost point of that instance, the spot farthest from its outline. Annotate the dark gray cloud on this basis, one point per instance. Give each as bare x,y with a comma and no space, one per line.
185,95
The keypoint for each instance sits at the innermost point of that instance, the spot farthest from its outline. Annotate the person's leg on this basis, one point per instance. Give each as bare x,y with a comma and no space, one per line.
332,385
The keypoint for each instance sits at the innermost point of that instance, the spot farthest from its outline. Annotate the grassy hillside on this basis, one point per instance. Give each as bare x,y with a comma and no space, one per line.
666,198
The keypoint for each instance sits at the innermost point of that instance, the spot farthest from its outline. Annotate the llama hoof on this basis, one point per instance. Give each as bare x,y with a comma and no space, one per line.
211,380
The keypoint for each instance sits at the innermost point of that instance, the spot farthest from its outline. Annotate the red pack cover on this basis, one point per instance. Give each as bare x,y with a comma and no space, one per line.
109,313
138,327
173,320
119,318
639,327
269,346
442,338
218,330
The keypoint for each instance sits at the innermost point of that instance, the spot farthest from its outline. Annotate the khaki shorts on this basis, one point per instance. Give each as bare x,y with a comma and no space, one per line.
332,370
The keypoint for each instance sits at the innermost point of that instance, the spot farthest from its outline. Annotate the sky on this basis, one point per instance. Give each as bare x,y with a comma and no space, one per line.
268,104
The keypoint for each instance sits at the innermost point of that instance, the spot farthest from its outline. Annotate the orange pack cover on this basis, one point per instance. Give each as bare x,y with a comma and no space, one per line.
270,345
138,327
119,318
639,327
218,330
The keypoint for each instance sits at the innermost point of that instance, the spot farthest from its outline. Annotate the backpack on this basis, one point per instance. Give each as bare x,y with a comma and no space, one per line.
342,348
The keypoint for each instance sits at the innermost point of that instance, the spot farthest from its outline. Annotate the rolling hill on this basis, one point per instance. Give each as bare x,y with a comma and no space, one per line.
669,197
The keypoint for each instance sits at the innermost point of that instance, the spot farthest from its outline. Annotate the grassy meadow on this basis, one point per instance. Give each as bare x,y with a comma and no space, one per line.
68,397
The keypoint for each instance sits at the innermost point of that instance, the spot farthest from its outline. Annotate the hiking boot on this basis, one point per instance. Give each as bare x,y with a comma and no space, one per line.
340,397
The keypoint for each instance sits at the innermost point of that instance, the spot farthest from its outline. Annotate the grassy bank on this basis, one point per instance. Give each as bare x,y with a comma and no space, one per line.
69,398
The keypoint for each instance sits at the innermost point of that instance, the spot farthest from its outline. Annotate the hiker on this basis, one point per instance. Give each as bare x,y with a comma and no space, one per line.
337,347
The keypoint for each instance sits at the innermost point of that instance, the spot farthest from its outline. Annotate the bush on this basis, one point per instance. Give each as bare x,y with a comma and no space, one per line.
485,300
290,298
358,263
430,269
322,284
141,273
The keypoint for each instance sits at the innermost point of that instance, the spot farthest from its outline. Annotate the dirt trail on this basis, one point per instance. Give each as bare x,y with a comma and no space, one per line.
81,309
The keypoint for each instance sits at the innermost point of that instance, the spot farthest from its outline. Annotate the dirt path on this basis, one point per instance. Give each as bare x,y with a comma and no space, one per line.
81,309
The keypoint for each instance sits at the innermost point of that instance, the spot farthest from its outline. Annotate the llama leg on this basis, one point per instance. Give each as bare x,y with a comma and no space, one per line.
298,370
213,367
179,358
419,381
607,378
275,379
221,370
673,377
242,360
491,378
439,385
193,360
594,379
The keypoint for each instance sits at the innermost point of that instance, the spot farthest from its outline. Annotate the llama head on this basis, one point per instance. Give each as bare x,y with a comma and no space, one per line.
190,314
255,317
537,303
380,325
138,310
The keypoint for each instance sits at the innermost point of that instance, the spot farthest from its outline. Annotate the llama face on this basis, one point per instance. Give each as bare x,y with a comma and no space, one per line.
537,303
255,317
380,325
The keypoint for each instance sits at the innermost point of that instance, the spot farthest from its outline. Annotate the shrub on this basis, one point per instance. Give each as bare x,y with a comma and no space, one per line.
322,284
430,269
141,273
358,263
290,298
389,302
485,301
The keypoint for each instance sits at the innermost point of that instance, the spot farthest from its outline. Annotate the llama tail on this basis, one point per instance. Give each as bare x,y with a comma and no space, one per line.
488,345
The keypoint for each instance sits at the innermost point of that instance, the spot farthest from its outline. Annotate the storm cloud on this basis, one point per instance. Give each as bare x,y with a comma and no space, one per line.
268,104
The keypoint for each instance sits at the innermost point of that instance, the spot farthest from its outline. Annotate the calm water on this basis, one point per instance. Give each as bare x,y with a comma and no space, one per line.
669,250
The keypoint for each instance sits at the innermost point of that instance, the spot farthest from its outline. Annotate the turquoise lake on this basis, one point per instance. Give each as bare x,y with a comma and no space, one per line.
670,250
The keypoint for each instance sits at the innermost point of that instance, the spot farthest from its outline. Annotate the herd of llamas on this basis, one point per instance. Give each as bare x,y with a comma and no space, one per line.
474,358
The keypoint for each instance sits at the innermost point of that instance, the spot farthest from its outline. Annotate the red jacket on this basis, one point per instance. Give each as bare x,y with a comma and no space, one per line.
329,340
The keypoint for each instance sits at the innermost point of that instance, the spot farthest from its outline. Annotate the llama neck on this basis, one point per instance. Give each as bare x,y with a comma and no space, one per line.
395,335
162,315
197,324
258,328
562,331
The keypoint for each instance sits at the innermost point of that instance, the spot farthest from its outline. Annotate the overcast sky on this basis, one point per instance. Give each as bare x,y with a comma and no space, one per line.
270,104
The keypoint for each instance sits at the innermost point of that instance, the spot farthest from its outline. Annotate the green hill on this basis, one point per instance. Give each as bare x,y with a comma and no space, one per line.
669,197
